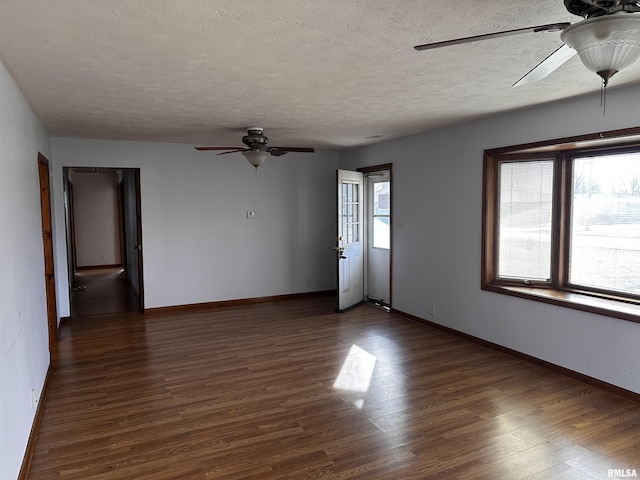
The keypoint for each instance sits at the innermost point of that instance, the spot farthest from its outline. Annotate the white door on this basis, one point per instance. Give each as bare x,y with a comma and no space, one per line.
350,252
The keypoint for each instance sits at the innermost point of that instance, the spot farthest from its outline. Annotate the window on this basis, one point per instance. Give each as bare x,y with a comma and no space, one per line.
525,195
604,241
562,222
381,214
350,213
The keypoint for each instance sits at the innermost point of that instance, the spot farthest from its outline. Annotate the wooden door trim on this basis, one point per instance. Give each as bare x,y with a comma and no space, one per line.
47,240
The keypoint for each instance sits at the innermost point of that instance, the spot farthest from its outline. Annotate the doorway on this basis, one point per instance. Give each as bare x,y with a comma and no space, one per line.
104,240
364,237
378,247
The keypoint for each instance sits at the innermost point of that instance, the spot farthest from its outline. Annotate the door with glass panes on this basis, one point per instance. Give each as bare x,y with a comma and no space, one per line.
349,248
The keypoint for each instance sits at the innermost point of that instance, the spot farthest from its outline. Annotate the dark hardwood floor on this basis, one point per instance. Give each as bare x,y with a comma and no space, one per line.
290,389
103,290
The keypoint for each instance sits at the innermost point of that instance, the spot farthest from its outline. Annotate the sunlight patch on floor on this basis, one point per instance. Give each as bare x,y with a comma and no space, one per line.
356,372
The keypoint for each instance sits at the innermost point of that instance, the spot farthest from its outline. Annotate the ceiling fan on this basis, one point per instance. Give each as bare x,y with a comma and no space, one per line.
607,40
256,150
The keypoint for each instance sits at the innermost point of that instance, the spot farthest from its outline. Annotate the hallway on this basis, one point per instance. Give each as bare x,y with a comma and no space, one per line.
107,291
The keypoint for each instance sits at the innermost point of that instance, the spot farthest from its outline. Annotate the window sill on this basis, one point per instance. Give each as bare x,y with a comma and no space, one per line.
576,301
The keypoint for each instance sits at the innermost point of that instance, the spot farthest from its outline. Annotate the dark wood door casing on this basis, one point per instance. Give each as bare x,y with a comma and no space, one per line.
47,240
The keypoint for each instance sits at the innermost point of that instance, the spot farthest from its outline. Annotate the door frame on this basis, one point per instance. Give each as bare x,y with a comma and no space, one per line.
47,241
386,167
136,201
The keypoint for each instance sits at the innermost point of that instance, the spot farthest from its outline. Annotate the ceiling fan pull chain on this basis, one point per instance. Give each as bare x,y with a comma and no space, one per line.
604,99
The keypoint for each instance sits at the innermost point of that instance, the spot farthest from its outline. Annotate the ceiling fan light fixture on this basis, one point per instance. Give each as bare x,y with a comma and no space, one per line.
255,157
607,44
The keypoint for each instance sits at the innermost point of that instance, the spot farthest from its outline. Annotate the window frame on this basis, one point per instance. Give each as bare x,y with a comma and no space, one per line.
558,290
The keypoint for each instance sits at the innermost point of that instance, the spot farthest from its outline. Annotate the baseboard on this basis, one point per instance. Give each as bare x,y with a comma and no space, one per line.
241,301
28,455
594,382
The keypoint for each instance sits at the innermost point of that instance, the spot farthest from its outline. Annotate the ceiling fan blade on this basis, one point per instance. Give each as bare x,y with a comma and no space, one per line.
277,151
233,151
220,148
548,65
551,27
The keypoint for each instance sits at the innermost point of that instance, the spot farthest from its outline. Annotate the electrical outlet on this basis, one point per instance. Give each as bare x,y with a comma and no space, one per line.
34,398
432,310
251,214
309,282
103,258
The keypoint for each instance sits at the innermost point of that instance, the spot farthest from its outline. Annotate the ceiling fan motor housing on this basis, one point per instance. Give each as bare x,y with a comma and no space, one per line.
254,139
597,8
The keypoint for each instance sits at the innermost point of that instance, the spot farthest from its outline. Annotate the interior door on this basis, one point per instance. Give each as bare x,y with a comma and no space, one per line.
138,245
350,241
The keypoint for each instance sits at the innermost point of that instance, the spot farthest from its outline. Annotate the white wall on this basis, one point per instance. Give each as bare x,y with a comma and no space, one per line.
96,219
24,349
198,245
437,209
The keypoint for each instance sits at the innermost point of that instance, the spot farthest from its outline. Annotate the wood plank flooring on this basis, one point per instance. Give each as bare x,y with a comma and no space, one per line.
292,390
104,290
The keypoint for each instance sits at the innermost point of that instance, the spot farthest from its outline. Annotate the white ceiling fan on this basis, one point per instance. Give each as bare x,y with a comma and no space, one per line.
607,40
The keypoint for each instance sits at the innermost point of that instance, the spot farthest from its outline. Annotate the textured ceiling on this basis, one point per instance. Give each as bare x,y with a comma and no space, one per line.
326,74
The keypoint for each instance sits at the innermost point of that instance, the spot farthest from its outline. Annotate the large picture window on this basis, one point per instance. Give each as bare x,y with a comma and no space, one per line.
562,223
